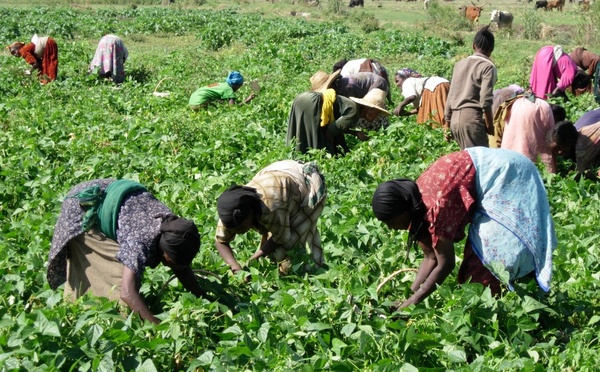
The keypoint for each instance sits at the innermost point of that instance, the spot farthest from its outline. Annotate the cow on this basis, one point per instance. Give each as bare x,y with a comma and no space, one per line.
555,4
541,4
354,3
426,4
473,12
502,19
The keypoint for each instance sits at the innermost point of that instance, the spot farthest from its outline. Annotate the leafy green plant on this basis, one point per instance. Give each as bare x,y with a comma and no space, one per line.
336,318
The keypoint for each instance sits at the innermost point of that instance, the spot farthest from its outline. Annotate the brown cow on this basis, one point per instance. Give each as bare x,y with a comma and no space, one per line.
555,4
472,12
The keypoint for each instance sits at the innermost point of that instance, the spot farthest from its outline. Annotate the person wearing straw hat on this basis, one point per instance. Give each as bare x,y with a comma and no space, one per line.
320,118
358,85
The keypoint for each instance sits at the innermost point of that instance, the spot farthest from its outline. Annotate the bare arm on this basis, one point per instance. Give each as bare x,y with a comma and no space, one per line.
188,280
248,99
268,247
398,111
444,256
227,255
131,296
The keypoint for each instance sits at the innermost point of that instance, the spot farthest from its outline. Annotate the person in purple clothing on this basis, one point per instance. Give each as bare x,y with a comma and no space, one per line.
108,232
589,118
358,85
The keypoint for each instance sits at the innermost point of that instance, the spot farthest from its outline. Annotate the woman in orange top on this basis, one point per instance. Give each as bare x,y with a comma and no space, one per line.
41,53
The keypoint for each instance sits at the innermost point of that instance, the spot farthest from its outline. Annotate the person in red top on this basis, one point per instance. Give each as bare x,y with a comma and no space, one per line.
41,53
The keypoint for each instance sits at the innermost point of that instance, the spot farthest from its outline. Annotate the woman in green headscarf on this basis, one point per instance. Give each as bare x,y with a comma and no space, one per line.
108,232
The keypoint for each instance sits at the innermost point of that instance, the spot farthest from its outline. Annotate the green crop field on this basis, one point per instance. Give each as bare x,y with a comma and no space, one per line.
79,128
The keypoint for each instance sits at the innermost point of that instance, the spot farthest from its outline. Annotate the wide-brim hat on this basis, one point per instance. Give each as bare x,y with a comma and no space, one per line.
322,80
374,99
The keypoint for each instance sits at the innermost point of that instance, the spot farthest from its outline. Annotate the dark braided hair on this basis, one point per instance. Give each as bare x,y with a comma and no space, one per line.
484,40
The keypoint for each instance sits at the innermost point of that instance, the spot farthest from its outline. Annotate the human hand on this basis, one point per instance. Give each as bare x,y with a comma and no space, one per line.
362,136
247,278
398,111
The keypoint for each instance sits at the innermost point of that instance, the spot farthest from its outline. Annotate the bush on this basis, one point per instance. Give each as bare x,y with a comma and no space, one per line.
446,18
587,30
532,25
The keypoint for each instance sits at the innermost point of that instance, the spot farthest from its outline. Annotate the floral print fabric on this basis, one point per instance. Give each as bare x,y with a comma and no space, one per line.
110,56
137,233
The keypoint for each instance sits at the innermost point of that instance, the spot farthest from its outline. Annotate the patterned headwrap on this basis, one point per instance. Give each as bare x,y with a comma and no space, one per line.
407,72
235,78
236,204
179,239
396,197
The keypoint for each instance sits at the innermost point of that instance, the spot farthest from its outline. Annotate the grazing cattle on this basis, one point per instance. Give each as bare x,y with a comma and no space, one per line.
354,3
473,12
555,4
541,4
426,3
502,19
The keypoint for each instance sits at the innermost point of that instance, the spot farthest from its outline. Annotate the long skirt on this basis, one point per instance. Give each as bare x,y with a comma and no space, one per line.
92,267
49,68
433,105
110,57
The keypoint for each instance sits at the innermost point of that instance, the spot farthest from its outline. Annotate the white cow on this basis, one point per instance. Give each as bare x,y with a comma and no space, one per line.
501,18
426,3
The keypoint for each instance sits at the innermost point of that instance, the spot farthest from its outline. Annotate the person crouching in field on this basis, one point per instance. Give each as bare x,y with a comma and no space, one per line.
223,91
528,127
428,95
499,193
553,71
580,145
41,53
283,203
359,85
320,118
110,57
108,232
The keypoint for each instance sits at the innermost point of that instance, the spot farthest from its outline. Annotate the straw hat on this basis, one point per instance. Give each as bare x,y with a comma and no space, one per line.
375,99
322,80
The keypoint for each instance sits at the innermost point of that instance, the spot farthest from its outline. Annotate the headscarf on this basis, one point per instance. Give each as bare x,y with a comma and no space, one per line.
236,204
235,78
179,239
15,47
407,72
396,197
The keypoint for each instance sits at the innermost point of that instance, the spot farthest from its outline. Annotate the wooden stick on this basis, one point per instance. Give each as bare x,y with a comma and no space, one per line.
391,276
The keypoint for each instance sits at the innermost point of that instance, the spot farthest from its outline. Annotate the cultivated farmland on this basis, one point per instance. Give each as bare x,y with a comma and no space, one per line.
79,128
